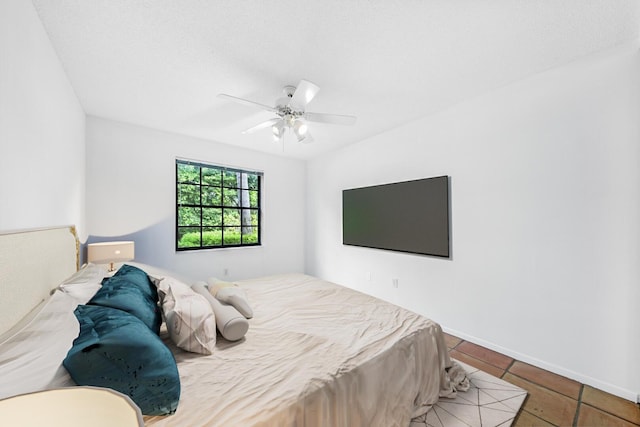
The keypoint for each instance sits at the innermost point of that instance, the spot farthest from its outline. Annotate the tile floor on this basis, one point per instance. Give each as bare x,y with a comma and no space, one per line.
553,400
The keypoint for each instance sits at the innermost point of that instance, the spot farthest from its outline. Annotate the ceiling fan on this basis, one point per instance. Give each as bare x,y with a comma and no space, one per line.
291,114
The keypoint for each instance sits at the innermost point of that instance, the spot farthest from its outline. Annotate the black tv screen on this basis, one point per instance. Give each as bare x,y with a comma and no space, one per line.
411,216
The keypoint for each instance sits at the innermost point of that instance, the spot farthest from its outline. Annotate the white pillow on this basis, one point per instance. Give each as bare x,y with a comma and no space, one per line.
231,324
230,293
190,320
84,283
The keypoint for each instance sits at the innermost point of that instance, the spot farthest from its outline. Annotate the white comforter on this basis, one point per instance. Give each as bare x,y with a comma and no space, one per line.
316,354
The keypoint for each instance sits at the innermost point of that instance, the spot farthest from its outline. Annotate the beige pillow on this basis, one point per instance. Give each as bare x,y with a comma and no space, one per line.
190,320
231,294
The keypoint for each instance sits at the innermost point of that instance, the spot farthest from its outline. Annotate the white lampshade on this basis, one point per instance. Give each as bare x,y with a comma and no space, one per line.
110,252
71,407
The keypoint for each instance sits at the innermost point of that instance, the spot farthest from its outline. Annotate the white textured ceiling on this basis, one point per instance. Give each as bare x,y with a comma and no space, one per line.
161,63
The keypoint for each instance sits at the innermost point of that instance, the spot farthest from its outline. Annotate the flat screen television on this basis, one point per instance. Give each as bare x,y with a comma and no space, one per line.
410,216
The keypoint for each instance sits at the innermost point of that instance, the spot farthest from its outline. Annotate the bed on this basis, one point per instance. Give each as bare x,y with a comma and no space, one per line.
315,353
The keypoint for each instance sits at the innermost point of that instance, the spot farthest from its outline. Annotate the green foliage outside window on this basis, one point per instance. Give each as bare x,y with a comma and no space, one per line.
216,206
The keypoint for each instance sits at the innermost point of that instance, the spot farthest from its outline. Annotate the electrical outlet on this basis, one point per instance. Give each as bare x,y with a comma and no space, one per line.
395,283
368,276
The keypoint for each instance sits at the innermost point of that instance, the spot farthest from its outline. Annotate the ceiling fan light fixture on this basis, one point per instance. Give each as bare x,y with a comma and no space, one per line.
278,131
300,128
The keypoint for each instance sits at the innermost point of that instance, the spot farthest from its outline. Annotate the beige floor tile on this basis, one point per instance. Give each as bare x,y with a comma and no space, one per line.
527,419
451,340
551,406
489,356
496,372
547,379
593,417
612,404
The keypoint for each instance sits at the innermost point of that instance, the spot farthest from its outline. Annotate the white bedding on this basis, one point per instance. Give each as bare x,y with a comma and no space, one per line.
31,353
316,354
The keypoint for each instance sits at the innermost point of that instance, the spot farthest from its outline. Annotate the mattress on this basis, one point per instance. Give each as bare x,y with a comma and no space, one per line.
315,354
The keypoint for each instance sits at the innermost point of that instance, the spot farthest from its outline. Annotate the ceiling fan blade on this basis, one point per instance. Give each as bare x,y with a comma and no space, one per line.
335,119
246,102
262,125
304,93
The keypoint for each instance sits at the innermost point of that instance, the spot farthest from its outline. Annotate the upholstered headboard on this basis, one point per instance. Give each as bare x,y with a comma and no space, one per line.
32,262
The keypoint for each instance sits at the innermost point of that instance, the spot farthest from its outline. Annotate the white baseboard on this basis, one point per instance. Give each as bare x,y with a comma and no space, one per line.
584,379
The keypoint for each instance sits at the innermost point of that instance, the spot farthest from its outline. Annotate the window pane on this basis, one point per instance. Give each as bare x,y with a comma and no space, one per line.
254,217
253,198
211,176
188,216
212,216
243,198
230,197
245,218
249,235
231,179
244,180
188,194
253,181
211,236
231,236
211,196
188,237
188,173
231,216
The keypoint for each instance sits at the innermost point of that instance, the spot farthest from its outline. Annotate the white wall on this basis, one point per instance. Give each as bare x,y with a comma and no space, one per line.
131,193
545,220
41,128
545,202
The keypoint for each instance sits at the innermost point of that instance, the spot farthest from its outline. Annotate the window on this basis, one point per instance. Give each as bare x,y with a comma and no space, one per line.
216,206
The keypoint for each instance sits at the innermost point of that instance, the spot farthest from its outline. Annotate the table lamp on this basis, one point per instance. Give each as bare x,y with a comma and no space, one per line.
110,252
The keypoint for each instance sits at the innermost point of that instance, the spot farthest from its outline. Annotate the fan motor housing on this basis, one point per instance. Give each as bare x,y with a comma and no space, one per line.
289,91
